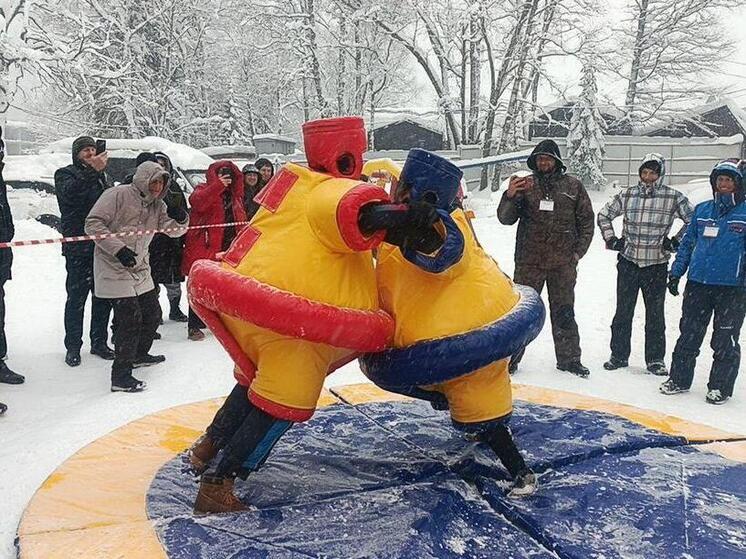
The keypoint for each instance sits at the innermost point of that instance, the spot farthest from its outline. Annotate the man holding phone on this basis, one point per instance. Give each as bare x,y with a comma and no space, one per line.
78,186
555,229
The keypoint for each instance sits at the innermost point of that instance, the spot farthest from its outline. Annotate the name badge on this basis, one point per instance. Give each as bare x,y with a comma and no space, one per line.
546,206
711,231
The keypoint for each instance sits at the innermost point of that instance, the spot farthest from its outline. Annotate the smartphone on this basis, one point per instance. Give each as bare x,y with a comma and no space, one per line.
100,146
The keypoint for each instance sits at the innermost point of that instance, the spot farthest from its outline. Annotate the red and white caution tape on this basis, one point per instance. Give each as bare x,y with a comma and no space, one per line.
32,242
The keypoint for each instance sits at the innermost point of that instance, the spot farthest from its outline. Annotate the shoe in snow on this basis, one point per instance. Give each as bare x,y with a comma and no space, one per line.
201,453
103,351
658,368
216,496
670,387
10,377
613,364
72,358
157,336
525,484
576,368
3,408
177,316
147,360
128,384
196,335
716,397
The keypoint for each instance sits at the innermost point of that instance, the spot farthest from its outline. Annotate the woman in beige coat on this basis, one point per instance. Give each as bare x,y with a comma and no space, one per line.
121,266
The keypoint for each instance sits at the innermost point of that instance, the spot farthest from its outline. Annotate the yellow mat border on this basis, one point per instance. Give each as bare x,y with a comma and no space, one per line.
94,504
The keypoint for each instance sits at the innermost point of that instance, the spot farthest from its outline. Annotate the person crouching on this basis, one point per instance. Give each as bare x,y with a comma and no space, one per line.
122,270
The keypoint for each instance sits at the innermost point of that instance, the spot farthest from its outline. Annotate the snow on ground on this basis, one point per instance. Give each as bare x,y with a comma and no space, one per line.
59,410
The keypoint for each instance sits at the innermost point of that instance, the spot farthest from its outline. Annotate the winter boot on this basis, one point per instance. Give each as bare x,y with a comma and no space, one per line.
201,453
72,357
175,313
3,408
576,368
613,364
525,484
216,496
716,397
670,387
147,360
157,336
10,377
103,351
658,368
127,384
195,334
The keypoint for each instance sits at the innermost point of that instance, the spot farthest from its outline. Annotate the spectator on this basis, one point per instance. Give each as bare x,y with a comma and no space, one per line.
266,169
219,200
649,210
122,269
7,230
78,186
252,184
714,251
167,252
554,232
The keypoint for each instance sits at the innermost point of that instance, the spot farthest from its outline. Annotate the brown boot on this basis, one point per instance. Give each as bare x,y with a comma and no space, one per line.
201,453
216,496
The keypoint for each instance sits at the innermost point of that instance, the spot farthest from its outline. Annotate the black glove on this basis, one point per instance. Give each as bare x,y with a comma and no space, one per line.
177,212
615,243
671,244
421,215
673,285
127,257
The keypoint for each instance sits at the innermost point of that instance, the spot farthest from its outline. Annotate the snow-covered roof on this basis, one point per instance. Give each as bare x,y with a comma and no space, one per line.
276,137
218,151
182,155
427,126
695,113
570,101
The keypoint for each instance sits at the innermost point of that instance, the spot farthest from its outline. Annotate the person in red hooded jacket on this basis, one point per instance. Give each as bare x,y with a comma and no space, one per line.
219,200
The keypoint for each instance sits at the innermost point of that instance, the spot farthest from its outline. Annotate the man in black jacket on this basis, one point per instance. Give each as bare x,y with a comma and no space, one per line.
78,187
7,230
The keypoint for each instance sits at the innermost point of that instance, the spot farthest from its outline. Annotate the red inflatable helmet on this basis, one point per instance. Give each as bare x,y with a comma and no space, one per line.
336,145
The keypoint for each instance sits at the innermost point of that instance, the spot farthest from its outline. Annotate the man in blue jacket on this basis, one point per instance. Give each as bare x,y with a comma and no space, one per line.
713,251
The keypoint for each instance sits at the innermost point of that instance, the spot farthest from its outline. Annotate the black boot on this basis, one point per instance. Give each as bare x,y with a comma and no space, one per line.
103,351
175,313
614,363
3,408
72,357
147,360
123,381
10,377
576,368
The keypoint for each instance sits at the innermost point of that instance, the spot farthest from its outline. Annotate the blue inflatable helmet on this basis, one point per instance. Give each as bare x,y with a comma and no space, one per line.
430,178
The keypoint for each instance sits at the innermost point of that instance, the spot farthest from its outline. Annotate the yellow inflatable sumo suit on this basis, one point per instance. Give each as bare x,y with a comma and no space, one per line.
458,316
295,295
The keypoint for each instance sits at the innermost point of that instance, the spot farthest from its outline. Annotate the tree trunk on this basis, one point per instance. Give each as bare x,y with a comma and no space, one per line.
475,71
634,73
313,60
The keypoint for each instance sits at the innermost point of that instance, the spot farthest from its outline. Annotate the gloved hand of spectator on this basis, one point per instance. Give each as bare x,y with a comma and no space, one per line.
671,244
673,285
615,243
127,257
177,212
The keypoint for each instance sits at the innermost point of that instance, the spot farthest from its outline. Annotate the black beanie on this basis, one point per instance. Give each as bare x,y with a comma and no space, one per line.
145,156
81,143
652,165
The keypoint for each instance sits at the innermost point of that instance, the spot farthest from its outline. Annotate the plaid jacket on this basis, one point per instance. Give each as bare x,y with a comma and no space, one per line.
648,214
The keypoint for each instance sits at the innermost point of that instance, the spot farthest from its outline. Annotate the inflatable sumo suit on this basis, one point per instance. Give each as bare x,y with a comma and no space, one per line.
295,295
458,316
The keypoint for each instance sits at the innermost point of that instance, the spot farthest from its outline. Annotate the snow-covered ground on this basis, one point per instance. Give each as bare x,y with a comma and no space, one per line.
59,410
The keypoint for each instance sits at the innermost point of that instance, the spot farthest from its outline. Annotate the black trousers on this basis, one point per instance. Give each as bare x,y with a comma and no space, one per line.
560,284
79,284
3,339
630,280
135,322
195,322
230,416
701,301
500,440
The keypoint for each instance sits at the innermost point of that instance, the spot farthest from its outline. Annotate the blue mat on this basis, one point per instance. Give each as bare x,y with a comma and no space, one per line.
395,480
